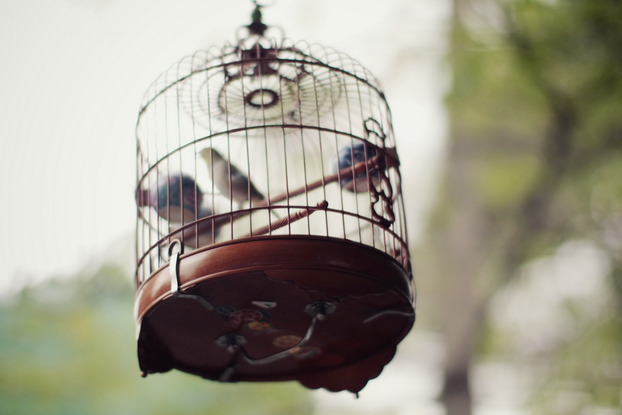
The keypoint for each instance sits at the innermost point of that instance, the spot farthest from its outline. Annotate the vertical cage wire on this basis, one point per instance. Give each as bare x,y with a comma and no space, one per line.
264,138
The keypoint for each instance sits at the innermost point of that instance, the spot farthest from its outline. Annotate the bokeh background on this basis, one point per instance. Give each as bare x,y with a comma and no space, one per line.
508,119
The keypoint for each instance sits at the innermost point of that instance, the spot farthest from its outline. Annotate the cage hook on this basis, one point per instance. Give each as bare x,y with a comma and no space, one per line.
173,254
174,272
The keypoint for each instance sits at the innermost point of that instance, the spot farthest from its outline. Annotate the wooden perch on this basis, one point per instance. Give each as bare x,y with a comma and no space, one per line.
323,205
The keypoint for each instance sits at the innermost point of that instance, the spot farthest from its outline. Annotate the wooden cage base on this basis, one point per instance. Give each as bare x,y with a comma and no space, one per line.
326,312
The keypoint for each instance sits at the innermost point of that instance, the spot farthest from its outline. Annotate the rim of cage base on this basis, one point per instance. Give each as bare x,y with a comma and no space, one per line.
405,262
206,264
403,246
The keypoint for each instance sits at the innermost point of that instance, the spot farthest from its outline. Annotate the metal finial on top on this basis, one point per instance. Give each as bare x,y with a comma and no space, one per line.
257,27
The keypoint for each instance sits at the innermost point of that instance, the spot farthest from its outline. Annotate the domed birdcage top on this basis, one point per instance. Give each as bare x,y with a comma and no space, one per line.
261,81
270,216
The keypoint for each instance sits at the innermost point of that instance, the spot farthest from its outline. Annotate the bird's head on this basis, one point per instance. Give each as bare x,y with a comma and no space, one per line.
210,155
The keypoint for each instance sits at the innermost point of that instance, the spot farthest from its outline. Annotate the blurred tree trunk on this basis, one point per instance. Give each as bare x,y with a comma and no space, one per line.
464,240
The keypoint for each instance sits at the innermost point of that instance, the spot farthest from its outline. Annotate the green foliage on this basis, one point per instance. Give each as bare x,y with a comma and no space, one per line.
489,76
536,103
504,180
68,347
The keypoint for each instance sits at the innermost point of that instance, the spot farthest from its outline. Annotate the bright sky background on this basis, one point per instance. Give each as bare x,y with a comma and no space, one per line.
73,74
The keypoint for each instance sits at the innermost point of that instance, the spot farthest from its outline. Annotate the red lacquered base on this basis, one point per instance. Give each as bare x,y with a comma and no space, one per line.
326,312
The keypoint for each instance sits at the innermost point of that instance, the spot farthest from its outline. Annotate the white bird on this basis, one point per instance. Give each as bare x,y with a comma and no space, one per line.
220,170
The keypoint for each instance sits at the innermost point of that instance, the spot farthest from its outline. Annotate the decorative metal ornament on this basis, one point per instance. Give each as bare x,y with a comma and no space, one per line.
271,234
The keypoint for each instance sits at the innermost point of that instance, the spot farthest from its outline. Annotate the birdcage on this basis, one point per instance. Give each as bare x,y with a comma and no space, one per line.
271,235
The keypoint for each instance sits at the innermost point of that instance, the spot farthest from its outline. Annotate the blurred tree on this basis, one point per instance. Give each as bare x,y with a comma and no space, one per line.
66,348
535,159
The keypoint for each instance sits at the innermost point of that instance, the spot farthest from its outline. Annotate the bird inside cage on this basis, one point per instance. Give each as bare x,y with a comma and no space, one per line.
230,182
